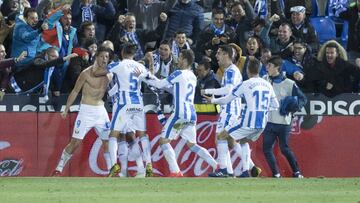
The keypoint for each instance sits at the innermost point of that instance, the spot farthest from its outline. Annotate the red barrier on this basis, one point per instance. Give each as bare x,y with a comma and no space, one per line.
31,145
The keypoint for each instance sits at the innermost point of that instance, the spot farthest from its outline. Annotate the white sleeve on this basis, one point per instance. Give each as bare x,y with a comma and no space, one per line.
160,84
220,91
223,100
274,103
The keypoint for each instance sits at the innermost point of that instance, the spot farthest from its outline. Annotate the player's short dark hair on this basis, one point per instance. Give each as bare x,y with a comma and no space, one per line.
276,60
129,49
103,49
188,55
254,66
227,49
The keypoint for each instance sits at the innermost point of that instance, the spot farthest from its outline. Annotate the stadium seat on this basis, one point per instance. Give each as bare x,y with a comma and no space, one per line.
325,28
333,9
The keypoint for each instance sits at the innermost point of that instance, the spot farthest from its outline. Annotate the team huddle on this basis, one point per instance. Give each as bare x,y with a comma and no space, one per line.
245,106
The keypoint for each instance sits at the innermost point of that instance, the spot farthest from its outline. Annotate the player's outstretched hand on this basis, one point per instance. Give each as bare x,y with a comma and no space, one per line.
208,98
64,114
137,72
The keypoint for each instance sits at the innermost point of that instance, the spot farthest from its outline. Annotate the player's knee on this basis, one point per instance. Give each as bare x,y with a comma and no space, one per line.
244,140
141,133
231,142
223,135
190,144
164,141
115,134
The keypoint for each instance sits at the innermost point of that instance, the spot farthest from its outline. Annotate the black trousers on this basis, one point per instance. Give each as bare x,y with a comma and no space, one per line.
272,133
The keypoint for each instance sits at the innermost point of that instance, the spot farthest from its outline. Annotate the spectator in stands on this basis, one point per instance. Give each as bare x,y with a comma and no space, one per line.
160,62
261,28
278,127
147,12
6,68
187,16
76,65
9,6
253,49
337,74
302,29
6,29
39,68
352,16
309,65
108,44
26,36
44,8
86,32
125,30
215,34
91,45
292,3
282,43
179,43
242,16
62,36
206,79
85,10
287,69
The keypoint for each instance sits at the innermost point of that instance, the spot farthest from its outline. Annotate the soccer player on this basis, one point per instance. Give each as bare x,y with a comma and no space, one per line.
230,112
182,121
260,99
126,139
92,112
128,112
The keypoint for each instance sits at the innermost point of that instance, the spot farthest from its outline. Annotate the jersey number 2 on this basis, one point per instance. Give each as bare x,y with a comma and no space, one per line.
190,89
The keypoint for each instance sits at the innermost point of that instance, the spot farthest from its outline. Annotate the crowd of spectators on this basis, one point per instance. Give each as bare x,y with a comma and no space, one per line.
45,45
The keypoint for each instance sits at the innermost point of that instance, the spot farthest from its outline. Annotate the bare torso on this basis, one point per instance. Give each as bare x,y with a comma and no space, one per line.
94,87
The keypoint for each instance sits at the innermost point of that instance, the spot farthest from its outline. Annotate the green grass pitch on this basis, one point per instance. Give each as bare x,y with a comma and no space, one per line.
172,190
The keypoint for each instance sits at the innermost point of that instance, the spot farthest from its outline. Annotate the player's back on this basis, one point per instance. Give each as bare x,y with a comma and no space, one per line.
184,83
128,83
259,98
232,76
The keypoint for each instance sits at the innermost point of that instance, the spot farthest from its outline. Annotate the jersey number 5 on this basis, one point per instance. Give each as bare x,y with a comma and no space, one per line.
133,82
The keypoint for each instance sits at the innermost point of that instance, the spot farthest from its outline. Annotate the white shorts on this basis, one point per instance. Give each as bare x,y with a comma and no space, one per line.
224,120
89,117
239,133
127,118
176,126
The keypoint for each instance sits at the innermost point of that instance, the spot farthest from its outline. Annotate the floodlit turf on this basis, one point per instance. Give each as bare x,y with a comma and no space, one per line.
171,190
